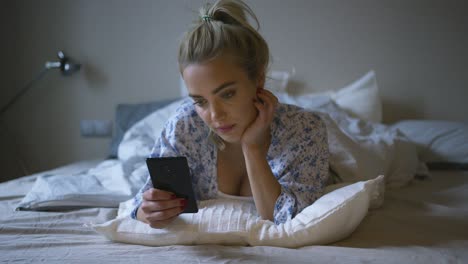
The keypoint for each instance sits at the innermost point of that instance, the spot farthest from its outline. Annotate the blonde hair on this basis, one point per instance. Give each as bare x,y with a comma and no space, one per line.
223,28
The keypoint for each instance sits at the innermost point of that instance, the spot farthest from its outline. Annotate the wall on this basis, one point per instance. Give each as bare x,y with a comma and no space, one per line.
128,51
10,163
417,48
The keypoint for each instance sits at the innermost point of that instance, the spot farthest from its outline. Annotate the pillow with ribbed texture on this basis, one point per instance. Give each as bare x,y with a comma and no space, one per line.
332,217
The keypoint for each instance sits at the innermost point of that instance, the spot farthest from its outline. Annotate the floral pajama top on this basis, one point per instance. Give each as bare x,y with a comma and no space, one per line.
298,156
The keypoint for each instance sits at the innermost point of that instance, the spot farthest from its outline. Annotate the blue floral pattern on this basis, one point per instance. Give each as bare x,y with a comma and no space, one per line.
298,156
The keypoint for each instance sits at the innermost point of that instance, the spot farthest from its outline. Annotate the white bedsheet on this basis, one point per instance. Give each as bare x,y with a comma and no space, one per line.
425,222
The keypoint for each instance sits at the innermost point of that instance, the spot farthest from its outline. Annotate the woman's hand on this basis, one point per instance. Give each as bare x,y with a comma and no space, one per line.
257,135
159,208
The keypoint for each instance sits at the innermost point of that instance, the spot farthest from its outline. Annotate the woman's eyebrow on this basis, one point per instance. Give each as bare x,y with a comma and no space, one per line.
222,86
217,90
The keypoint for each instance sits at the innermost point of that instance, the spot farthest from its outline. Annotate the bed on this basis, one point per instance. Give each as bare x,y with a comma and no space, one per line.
425,222
423,219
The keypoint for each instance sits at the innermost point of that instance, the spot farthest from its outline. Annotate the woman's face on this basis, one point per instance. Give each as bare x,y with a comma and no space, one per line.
223,96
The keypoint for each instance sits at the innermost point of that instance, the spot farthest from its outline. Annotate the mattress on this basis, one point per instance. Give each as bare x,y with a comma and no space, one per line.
424,222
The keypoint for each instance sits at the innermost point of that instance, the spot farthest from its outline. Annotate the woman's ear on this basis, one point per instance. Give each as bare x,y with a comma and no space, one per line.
261,81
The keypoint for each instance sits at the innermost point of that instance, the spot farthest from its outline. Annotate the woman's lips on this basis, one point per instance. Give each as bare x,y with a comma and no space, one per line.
225,129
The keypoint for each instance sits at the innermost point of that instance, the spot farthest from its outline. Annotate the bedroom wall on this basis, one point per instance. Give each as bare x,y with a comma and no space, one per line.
10,164
128,51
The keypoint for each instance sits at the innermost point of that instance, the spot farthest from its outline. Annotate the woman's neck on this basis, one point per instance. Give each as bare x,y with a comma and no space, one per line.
232,149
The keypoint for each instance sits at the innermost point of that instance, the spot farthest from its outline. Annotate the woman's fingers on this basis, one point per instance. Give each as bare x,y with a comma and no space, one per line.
270,95
159,207
157,195
153,206
267,108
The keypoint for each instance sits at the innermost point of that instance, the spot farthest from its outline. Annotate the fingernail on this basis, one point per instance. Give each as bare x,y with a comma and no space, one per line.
183,203
173,196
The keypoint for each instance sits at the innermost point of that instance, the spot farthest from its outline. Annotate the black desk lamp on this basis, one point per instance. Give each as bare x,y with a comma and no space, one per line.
65,64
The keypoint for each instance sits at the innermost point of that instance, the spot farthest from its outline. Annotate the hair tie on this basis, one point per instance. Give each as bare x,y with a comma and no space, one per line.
207,18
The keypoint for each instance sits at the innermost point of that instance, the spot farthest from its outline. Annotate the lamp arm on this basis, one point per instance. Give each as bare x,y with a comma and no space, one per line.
23,91
66,66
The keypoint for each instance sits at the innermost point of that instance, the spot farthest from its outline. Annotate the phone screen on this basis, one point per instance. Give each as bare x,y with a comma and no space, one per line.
172,174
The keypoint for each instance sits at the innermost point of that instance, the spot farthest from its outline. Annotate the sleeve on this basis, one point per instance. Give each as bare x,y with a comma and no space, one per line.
304,166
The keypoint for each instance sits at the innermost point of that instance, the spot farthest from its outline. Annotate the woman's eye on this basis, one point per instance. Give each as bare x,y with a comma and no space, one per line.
199,102
228,95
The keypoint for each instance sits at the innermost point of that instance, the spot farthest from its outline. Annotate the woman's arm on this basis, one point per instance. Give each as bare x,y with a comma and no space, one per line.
265,187
255,144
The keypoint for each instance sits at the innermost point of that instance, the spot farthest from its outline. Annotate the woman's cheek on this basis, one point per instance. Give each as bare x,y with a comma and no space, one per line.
202,114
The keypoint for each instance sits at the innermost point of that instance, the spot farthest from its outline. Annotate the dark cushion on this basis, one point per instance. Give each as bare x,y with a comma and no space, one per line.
126,115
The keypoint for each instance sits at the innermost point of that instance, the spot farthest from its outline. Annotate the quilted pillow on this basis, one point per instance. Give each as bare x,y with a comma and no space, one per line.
332,217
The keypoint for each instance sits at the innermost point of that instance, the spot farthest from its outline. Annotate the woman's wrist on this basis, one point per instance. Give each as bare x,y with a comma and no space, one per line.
138,215
254,152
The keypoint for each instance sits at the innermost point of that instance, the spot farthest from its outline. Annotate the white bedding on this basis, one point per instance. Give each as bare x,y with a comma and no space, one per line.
424,222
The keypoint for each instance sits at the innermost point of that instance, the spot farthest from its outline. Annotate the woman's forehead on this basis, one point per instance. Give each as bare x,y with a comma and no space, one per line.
214,71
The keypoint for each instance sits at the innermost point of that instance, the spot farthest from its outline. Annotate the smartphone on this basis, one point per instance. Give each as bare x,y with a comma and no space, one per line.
172,174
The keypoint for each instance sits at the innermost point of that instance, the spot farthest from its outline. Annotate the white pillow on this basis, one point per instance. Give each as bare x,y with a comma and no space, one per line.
360,99
437,141
332,217
139,139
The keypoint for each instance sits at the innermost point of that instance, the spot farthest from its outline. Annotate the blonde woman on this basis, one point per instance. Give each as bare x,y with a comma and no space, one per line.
238,140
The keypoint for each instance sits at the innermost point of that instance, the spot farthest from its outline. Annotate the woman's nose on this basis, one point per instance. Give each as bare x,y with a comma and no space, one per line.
217,111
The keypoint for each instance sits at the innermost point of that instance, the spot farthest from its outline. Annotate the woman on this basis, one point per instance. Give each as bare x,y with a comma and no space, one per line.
238,140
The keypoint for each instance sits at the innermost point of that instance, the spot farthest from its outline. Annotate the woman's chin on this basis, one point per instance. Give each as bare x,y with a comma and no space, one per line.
230,140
